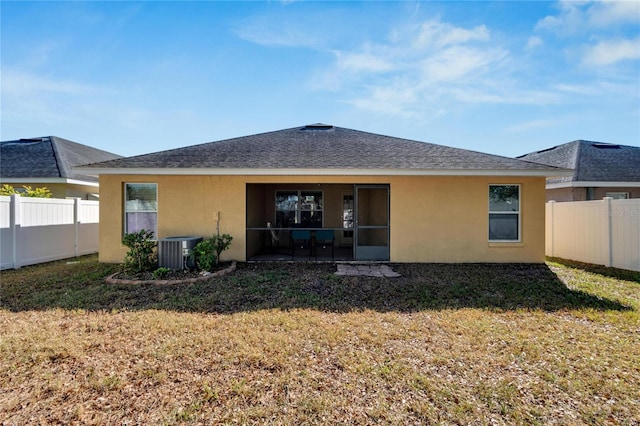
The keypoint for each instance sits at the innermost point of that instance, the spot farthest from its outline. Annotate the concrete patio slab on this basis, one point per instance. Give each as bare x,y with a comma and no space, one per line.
372,270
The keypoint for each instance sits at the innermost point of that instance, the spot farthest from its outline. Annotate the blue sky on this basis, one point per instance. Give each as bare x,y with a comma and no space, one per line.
499,77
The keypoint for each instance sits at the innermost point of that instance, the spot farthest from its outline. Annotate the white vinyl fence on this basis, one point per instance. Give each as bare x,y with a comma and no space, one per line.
602,232
37,230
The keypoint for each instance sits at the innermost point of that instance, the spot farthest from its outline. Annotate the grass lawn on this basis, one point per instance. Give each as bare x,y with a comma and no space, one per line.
294,344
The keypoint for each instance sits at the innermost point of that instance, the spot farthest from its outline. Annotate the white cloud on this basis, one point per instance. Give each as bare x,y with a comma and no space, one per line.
585,90
433,65
278,36
43,99
22,84
417,68
33,98
531,125
605,13
63,103
579,16
596,33
436,34
570,17
612,51
506,95
534,41
272,31
396,100
616,87
362,62
457,62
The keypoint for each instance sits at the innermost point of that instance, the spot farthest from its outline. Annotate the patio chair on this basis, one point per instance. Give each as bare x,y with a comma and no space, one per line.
325,238
300,240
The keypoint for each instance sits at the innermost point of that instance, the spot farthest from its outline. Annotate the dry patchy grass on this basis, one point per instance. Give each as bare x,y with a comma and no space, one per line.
294,344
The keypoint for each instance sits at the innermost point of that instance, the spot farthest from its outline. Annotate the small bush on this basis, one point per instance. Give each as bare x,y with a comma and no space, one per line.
207,252
220,244
141,256
205,255
161,273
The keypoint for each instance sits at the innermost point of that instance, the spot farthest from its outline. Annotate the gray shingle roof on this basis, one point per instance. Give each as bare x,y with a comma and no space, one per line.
48,157
320,147
592,161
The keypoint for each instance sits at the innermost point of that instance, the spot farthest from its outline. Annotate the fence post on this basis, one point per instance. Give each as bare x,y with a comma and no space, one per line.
76,227
14,224
552,204
608,258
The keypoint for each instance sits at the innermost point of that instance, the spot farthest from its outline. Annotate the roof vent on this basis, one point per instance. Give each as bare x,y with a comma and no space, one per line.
605,146
318,126
546,150
33,139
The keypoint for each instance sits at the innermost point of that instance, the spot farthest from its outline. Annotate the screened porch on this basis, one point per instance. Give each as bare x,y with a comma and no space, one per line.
317,222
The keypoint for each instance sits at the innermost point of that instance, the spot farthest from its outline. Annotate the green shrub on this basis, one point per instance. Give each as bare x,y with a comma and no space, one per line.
205,255
161,273
141,256
207,252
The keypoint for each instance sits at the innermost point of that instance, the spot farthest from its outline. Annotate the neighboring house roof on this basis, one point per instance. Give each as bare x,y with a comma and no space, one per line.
320,149
47,159
593,163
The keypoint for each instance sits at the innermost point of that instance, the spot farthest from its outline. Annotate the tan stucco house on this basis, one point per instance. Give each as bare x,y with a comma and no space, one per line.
47,162
377,197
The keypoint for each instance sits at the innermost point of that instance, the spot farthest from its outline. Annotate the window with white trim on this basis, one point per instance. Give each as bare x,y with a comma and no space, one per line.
299,209
141,207
504,213
618,195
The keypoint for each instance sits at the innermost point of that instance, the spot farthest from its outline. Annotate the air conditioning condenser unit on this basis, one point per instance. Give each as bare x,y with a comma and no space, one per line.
177,252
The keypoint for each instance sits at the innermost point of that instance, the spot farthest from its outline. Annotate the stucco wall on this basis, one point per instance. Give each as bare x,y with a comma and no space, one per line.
445,219
187,205
432,219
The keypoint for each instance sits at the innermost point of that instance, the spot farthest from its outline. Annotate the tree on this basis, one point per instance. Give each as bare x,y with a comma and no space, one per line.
28,191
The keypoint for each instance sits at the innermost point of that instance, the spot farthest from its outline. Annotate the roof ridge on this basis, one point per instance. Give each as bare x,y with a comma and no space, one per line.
57,155
578,158
575,148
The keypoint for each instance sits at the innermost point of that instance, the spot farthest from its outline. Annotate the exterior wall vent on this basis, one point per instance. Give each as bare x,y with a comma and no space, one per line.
176,252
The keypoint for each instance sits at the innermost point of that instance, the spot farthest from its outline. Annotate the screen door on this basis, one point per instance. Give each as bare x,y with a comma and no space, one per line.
371,236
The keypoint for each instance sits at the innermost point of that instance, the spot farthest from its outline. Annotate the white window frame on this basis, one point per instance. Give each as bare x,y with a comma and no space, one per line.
619,195
125,211
518,212
298,210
